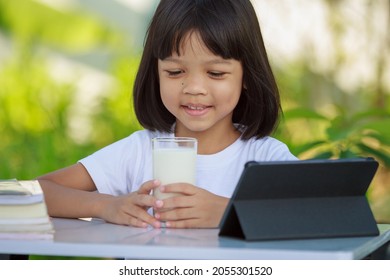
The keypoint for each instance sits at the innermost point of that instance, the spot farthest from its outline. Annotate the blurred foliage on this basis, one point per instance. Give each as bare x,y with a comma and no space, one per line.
35,111
365,134
28,22
33,119
115,118
321,120
35,108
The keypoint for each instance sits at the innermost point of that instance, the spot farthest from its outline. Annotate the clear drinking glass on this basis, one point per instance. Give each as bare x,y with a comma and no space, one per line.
174,161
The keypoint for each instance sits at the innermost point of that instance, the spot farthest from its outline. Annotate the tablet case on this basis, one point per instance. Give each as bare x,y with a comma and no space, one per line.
301,199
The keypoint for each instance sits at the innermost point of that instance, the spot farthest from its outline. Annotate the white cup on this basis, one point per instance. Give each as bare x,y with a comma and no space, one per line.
174,161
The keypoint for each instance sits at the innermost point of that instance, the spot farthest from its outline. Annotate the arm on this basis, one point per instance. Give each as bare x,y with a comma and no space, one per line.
69,187
71,193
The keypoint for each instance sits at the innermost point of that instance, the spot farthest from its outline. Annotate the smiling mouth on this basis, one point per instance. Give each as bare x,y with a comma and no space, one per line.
196,109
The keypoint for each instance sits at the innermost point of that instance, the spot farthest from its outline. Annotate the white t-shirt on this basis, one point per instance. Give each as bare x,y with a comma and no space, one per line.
124,166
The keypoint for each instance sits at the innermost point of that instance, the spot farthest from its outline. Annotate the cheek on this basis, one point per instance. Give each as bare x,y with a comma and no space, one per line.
165,88
236,92
233,101
230,96
168,97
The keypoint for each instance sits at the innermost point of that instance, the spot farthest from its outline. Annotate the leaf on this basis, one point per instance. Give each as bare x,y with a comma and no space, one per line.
341,129
382,156
324,155
382,127
303,113
370,114
376,135
348,154
307,146
336,133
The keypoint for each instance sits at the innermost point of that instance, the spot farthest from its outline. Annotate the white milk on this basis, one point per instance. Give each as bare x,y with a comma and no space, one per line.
174,165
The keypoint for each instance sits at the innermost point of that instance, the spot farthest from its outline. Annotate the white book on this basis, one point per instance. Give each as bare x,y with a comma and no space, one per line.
23,211
24,221
47,227
14,192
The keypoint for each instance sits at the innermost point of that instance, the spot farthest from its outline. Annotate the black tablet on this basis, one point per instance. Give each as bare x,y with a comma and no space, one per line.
301,199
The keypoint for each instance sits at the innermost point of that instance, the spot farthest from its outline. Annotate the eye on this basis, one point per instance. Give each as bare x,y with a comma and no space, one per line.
216,74
174,73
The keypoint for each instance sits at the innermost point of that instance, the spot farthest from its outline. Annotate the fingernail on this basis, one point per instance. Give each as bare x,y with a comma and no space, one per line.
156,182
157,216
159,203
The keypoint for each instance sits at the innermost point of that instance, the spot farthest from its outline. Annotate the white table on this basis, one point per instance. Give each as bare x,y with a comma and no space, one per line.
96,238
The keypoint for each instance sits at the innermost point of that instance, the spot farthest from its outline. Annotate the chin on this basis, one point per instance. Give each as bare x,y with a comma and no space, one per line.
196,128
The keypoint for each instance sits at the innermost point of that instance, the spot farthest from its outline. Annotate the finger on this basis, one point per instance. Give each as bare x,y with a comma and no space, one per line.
146,201
148,186
183,188
132,221
181,201
141,218
137,222
177,214
192,223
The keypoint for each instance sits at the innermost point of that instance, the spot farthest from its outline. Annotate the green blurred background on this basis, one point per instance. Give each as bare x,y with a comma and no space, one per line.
67,70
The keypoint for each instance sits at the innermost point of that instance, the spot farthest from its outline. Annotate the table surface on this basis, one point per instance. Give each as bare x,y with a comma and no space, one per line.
95,238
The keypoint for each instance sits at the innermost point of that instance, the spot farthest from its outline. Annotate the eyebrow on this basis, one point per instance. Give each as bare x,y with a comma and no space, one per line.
213,61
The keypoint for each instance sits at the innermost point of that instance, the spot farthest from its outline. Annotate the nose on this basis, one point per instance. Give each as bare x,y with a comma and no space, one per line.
194,85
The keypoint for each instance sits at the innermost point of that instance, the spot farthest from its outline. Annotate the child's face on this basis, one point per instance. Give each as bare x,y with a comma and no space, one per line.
199,88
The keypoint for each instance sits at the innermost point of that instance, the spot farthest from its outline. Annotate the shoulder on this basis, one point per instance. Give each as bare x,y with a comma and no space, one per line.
135,142
140,137
264,142
268,148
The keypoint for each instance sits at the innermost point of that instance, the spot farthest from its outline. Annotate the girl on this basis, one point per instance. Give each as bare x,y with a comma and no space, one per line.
205,74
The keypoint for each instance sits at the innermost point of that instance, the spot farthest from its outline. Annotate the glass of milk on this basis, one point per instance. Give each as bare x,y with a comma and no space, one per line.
174,161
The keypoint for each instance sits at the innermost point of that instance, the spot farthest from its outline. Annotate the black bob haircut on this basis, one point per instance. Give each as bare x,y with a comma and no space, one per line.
228,28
